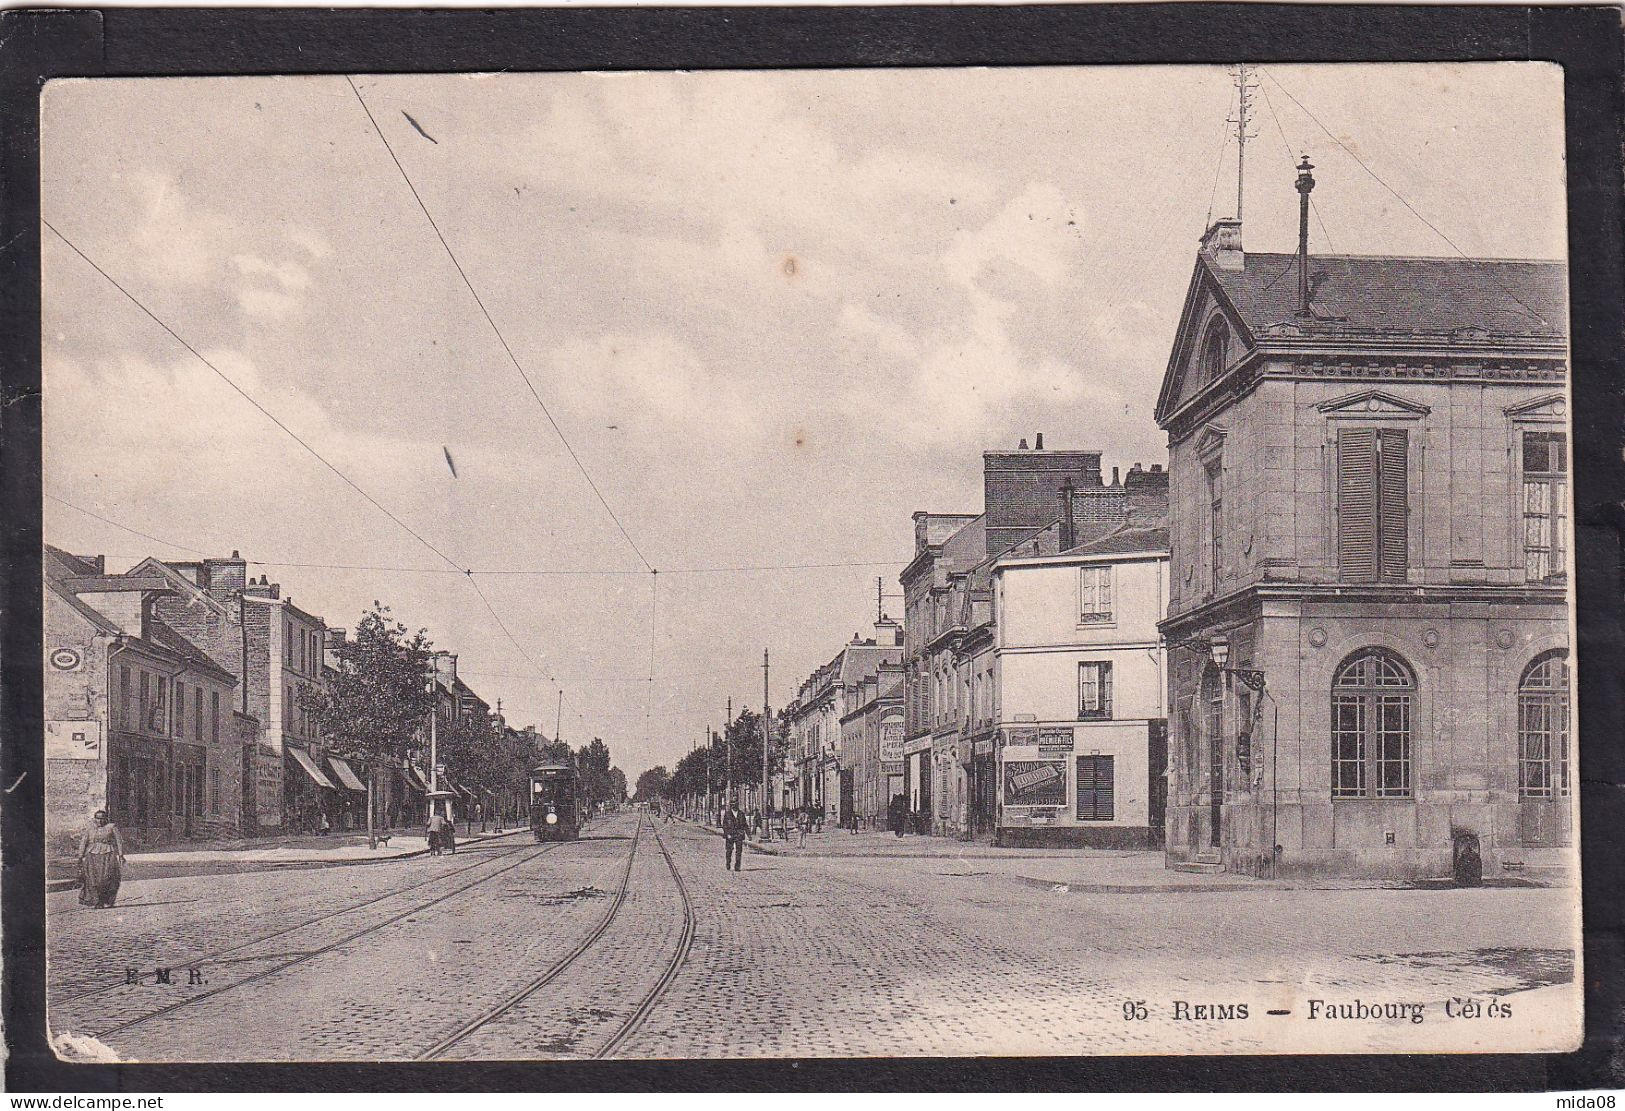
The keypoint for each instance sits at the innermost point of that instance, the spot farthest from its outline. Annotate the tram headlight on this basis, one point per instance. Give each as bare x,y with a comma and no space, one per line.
552,819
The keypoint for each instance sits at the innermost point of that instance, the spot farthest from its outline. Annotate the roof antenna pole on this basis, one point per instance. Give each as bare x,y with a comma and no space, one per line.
1242,74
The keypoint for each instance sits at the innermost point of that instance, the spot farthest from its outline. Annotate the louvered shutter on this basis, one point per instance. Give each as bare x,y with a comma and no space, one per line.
1357,504
1391,501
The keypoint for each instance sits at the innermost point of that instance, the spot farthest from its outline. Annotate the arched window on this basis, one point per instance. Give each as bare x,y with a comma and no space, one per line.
1543,727
1215,350
1372,696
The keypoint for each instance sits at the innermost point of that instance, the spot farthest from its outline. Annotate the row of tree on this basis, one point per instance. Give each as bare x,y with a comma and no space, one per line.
733,757
375,708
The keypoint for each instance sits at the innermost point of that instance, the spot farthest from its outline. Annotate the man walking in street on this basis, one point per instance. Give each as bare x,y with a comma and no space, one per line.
733,837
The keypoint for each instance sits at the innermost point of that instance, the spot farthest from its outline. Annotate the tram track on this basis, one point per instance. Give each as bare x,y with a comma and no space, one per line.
214,956
552,972
627,1026
673,966
525,857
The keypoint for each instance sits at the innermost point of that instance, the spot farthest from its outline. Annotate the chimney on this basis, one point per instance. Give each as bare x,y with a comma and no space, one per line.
1221,243
1023,445
1069,525
1156,468
1115,481
1038,441
1306,182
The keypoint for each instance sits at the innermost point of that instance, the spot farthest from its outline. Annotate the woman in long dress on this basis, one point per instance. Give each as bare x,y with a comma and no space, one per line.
101,863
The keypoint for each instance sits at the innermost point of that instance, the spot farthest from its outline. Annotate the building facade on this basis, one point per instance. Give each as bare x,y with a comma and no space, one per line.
139,720
1369,550
825,772
1080,681
872,733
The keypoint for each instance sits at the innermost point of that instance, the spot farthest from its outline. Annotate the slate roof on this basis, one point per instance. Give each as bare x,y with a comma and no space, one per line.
1380,292
1129,538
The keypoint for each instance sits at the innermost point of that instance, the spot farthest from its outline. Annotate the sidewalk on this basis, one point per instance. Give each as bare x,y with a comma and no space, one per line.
1070,870
252,854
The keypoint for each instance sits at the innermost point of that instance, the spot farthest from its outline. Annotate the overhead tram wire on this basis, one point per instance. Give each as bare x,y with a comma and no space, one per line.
542,571
274,419
1431,226
463,274
1291,158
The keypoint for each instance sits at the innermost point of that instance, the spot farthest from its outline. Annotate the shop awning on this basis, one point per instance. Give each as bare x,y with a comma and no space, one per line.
315,773
346,775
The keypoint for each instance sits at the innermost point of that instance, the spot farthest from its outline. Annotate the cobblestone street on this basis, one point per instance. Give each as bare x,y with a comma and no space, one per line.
608,946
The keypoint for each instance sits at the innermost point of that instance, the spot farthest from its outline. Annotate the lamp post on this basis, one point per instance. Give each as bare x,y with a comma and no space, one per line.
1218,648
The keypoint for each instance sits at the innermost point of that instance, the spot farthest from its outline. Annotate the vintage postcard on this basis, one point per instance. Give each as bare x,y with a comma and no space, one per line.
861,563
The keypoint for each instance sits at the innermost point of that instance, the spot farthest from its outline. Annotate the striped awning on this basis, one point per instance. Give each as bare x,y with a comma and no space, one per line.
302,758
345,775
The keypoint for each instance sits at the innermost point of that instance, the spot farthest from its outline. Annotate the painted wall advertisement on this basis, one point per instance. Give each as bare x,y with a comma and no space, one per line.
1035,783
891,742
268,788
73,740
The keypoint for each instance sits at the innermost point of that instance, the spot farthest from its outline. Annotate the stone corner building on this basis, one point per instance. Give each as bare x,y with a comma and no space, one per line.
1368,627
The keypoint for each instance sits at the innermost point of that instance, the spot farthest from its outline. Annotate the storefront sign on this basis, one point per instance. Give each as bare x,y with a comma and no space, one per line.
1035,783
1055,742
66,659
1021,736
891,767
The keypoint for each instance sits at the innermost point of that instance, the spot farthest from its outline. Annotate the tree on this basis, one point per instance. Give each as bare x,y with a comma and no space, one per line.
652,784
617,786
371,709
592,772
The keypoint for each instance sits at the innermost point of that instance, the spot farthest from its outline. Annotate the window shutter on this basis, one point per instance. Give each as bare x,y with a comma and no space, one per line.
1357,504
1392,502
1105,574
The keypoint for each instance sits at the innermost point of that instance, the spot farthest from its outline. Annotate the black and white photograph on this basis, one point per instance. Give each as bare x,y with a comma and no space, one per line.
1061,561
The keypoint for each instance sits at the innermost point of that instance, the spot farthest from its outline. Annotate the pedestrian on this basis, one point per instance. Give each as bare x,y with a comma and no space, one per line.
440,835
101,863
479,813
733,838
896,814
803,824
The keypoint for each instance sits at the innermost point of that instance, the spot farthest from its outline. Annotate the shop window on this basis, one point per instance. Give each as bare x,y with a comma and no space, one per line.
1372,698
1545,506
1095,795
1095,594
1543,727
1094,690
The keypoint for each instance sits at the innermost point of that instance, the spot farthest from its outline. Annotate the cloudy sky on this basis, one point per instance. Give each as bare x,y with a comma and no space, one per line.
774,314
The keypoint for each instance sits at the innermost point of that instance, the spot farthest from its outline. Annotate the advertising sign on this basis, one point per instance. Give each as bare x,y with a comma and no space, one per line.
66,659
891,742
73,740
891,767
1055,742
1035,783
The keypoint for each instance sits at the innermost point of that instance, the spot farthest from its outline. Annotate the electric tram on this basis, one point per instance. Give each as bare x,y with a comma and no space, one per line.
555,807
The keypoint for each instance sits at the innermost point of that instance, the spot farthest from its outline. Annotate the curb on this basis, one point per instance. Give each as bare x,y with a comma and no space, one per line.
72,884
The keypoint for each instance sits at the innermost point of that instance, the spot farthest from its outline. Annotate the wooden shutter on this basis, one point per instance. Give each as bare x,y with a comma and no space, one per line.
1357,504
1391,502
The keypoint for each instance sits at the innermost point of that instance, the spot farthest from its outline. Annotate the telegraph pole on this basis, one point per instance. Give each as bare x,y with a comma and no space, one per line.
1244,104
728,757
766,739
558,721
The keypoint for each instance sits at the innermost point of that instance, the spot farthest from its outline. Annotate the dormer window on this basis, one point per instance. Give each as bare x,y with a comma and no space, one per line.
1215,350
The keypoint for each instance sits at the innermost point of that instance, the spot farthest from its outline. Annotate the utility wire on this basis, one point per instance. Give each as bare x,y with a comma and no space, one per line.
1313,207
582,467
1399,197
274,419
490,571
126,528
